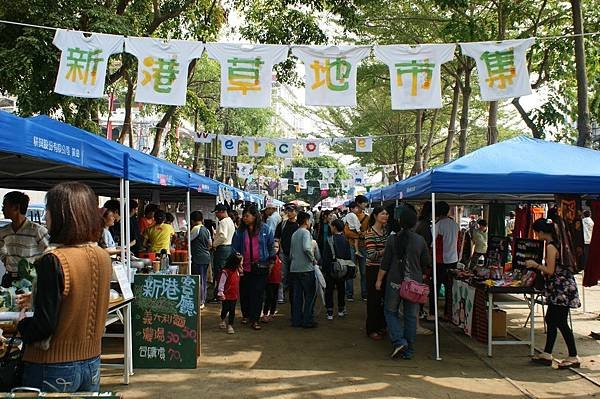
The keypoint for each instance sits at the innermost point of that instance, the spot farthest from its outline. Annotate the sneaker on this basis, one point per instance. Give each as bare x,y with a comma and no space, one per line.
342,313
222,325
364,299
230,329
350,298
329,316
544,359
398,350
202,306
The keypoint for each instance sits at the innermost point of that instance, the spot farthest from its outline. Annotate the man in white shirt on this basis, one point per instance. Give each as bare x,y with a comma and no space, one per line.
273,217
22,239
447,232
222,240
588,228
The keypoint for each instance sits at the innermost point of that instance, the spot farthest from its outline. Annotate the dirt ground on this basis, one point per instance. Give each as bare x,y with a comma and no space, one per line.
337,360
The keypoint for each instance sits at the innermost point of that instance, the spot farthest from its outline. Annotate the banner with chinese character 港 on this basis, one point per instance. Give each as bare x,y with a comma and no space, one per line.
165,321
330,73
162,68
246,72
502,67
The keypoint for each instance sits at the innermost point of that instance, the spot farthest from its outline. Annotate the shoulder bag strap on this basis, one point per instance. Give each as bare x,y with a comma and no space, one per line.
332,246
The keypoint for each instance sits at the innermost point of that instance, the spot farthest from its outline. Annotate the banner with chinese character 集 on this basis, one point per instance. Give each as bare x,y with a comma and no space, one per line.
463,300
502,67
415,79
257,147
330,73
364,144
162,68
246,72
83,62
165,321
229,145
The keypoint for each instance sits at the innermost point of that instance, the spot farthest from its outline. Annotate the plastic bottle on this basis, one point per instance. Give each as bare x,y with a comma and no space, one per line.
164,260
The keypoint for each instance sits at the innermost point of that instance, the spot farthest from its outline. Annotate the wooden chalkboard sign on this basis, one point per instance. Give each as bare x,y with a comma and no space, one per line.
497,251
165,321
526,249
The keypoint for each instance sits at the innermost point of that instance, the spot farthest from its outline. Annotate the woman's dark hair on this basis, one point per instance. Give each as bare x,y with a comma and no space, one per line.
196,216
425,214
17,198
302,218
74,217
546,226
233,261
376,211
169,218
406,221
159,216
338,224
113,205
252,210
324,215
442,209
150,208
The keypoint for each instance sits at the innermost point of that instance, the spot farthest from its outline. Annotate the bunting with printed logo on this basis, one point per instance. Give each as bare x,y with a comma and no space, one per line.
257,147
162,68
302,183
358,174
203,137
330,73
311,148
284,148
328,174
364,144
284,184
229,145
502,67
299,173
246,72
415,77
323,185
244,169
83,62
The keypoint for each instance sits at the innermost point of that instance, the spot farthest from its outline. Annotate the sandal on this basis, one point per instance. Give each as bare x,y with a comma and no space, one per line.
570,363
544,359
255,326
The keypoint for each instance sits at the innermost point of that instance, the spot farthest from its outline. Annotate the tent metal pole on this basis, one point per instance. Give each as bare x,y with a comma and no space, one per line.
189,228
582,293
435,291
123,220
127,227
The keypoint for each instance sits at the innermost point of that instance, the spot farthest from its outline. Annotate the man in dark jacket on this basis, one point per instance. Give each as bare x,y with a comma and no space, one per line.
342,251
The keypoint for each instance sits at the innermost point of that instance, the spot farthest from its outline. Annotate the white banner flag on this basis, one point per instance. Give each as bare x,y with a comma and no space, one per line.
244,170
203,137
328,174
502,67
229,145
256,147
302,183
364,144
284,148
311,148
323,185
299,173
283,184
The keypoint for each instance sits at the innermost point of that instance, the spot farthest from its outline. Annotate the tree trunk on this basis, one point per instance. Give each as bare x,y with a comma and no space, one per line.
196,145
402,170
427,152
464,115
160,129
537,134
492,129
452,123
127,128
418,166
584,129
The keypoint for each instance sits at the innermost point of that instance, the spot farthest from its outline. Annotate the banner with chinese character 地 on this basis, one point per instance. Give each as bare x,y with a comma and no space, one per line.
502,67
165,321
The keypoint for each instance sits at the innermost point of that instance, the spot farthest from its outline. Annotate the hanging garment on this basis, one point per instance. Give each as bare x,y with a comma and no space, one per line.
415,73
330,73
246,72
591,275
497,220
162,68
83,62
502,67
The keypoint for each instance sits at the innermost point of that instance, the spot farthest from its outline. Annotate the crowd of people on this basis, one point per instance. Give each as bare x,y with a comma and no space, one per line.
261,259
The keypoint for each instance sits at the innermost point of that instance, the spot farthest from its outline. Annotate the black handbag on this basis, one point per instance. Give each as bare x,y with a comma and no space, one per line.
11,367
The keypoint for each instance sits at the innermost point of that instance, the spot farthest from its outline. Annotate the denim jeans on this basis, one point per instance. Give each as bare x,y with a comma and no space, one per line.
401,319
304,290
79,376
202,271
361,263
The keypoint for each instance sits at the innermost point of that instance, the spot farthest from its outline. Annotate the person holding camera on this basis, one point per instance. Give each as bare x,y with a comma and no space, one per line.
254,240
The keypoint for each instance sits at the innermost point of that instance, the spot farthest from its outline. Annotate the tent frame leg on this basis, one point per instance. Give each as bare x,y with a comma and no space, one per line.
435,291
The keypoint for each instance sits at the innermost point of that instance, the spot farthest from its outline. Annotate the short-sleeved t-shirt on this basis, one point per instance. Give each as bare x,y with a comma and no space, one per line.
448,229
480,239
200,238
159,237
284,232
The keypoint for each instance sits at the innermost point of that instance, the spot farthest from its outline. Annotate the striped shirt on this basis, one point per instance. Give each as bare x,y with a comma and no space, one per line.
29,242
375,244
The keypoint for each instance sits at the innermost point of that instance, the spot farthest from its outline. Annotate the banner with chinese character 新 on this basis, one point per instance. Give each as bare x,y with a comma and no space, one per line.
162,68
415,77
83,62
165,321
502,67
246,72
364,144
330,73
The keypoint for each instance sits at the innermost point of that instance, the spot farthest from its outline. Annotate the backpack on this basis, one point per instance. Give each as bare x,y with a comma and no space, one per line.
341,268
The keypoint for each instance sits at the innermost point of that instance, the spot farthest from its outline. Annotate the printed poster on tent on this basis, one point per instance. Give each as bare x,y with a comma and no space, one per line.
463,299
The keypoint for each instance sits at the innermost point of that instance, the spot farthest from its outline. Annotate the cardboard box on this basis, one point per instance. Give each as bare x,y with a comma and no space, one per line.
498,323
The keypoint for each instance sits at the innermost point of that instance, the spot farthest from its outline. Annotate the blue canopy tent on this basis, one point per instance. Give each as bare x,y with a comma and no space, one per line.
519,169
